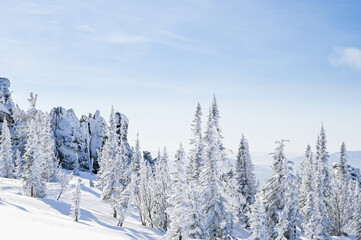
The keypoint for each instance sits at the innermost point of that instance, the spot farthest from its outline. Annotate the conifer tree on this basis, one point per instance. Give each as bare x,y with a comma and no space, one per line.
277,192
33,182
195,154
19,164
161,187
75,206
245,181
306,189
6,157
136,175
146,189
257,219
178,209
216,222
47,148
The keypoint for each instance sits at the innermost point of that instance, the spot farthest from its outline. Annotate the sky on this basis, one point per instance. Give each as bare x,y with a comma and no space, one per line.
279,69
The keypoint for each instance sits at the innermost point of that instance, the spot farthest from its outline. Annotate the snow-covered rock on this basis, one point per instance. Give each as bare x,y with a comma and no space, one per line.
84,137
6,104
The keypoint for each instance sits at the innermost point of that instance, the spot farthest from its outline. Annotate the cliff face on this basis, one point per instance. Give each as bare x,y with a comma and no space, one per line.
82,139
75,139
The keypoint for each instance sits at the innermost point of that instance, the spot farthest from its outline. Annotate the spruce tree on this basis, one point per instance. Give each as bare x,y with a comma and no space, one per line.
47,148
245,181
161,188
75,206
278,193
216,217
32,177
196,151
7,168
257,219
178,209
19,164
147,195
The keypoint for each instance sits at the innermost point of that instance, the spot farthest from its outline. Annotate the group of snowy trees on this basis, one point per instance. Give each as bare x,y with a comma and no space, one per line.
205,199
317,201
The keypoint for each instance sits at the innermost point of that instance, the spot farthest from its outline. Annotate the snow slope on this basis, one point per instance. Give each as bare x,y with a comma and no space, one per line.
29,218
24,217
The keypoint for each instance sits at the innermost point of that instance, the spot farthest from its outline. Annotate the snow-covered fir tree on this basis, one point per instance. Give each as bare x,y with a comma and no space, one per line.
257,219
7,168
111,168
306,188
216,221
178,210
245,181
340,201
277,193
75,204
146,192
196,151
136,175
63,179
161,188
32,178
47,148
19,164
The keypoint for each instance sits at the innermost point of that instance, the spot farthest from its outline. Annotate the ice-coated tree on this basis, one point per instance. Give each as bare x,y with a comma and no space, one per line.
161,188
257,219
341,202
7,168
321,163
178,210
123,204
19,164
195,214
319,224
47,148
32,180
147,199
216,221
135,178
306,189
277,192
63,180
75,205
245,181
357,218
111,168
196,151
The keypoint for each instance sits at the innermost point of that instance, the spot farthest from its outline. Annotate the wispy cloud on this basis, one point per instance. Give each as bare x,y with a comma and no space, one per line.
124,38
347,56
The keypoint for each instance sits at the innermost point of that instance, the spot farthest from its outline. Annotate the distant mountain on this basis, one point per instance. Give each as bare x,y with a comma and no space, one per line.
354,159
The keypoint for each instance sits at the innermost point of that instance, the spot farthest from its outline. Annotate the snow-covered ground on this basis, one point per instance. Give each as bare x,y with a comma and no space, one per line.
24,217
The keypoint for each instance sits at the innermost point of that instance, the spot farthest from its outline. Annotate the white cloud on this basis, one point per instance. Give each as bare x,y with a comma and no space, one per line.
350,57
122,38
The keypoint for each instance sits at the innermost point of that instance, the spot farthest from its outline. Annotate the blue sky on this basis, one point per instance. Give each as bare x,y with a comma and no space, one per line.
278,68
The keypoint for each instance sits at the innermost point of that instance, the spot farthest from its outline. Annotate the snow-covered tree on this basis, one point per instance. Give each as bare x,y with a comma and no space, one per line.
178,209
196,151
216,222
257,219
341,202
147,199
245,181
161,188
33,182
63,180
136,175
19,164
111,167
195,215
47,148
278,193
306,189
75,205
7,168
